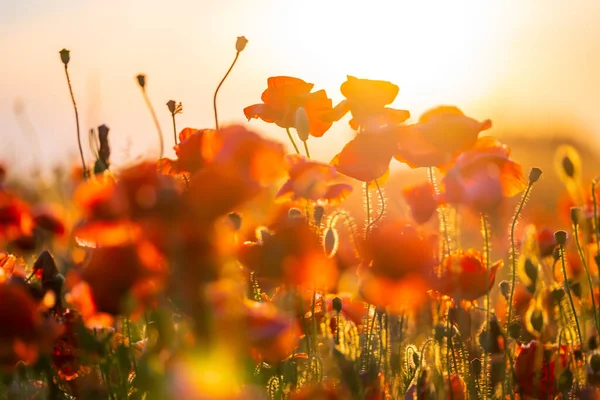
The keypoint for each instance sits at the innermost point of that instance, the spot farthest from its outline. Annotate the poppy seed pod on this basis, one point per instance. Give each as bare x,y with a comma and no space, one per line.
141,78
576,215
65,56
172,105
561,237
241,43
534,174
301,124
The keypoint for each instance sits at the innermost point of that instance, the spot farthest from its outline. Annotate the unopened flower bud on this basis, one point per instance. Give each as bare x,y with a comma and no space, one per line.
531,270
141,78
65,56
561,237
337,304
505,289
514,330
576,215
172,105
558,294
330,242
534,175
568,167
318,214
301,124
241,43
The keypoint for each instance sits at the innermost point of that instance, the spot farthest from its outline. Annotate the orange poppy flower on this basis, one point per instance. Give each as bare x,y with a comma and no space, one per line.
398,259
367,157
312,180
282,98
483,176
422,201
439,136
191,152
366,100
25,333
464,275
113,275
534,358
292,255
11,266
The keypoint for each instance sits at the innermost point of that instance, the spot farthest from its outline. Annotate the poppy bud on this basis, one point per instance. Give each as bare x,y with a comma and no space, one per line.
318,214
337,304
476,366
294,214
235,219
141,78
576,215
514,330
558,294
301,124
561,237
534,175
568,167
565,381
241,43
505,289
416,359
65,56
576,288
331,242
172,105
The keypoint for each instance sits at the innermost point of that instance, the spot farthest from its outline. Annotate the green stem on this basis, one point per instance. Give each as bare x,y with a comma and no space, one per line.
237,54
76,122
292,140
587,272
513,251
568,289
306,148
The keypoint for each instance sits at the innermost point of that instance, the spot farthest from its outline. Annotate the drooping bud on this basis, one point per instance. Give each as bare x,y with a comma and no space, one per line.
141,78
505,289
65,56
476,366
337,304
561,237
531,270
301,124
534,175
241,43
330,242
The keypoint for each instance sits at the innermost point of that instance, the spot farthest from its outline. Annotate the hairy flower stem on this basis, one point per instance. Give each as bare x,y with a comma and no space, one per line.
292,140
237,55
587,272
568,289
513,251
487,252
382,211
85,174
161,141
441,213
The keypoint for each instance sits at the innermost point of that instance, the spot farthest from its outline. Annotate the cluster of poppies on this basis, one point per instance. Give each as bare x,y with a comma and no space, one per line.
233,271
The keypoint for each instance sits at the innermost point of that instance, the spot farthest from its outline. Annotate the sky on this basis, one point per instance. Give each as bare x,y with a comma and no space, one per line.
531,66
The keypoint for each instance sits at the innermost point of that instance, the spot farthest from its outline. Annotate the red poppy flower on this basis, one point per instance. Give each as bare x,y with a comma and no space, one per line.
464,275
399,259
366,100
282,98
191,152
352,309
439,136
546,242
113,275
367,157
422,201
292,255
483,176
313,181
25,333
537,367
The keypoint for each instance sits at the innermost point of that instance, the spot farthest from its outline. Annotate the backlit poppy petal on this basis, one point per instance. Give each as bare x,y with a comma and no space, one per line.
369,94
262,111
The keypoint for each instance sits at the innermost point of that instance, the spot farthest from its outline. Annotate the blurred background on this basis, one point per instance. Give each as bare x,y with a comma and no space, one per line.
531,66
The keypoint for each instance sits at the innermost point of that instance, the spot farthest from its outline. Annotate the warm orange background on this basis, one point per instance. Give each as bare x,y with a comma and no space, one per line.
532,66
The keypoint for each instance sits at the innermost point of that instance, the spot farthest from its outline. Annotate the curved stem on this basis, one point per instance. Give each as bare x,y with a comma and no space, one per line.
568,289
156,123
292,140
587,272
382,211
513,251
219,87
306,148
76,122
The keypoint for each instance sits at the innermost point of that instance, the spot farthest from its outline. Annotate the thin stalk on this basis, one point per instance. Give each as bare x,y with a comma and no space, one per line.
587,272
306,148
568,289
292,140
448,339
368,206
513,251
382,211
441,212
595,221
487,250
237,54
76,122
156,123
174,128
